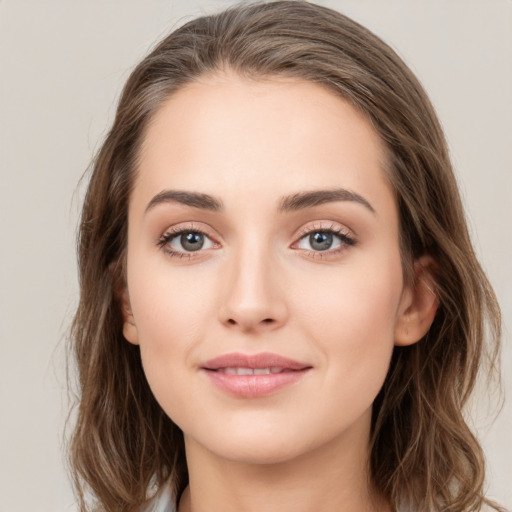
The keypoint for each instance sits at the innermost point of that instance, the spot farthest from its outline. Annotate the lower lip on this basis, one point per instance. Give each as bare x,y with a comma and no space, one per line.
254,386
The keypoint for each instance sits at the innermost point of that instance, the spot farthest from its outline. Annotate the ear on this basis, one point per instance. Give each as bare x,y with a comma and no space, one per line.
130,331
419,304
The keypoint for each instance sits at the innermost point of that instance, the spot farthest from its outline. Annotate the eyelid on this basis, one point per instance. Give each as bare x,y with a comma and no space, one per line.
324,225
344,234
172,232
347,237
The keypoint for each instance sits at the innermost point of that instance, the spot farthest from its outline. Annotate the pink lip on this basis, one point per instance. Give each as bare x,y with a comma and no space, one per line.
254,386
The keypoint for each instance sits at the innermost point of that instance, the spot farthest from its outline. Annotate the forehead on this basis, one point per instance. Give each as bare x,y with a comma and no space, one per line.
224,134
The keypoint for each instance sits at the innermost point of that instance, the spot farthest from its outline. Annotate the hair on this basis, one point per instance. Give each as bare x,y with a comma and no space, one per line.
423,454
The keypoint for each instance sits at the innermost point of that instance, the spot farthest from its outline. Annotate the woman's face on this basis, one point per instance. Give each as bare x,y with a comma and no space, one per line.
264,282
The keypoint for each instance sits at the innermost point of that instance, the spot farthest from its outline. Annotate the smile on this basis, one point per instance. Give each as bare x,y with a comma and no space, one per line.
253,376
252,371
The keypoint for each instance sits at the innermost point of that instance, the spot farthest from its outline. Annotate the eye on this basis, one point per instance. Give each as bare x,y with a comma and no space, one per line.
182,242
329,240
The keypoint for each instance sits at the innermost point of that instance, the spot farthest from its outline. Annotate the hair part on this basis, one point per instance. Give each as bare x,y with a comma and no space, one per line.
422,452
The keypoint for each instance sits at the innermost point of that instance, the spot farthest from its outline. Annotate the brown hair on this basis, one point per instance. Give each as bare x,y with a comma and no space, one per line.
423,453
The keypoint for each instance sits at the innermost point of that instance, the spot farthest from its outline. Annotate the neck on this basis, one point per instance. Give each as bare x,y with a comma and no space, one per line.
331,478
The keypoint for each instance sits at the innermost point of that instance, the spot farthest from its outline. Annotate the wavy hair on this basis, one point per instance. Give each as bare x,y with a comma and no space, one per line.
423,455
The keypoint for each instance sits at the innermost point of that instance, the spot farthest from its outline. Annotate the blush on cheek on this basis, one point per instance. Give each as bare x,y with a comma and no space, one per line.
355,327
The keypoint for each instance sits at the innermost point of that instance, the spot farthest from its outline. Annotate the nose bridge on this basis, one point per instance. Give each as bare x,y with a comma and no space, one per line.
253,297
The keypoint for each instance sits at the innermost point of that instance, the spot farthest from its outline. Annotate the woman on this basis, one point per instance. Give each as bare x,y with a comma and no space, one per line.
280,304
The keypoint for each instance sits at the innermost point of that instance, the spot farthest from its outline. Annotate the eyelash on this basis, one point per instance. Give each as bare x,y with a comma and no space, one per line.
344,237
166,239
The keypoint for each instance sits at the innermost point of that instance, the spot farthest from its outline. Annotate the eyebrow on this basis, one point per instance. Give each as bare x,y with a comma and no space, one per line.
303,200
194,199
294,202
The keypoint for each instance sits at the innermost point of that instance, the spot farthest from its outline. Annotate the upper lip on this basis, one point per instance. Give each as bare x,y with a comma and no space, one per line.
255,361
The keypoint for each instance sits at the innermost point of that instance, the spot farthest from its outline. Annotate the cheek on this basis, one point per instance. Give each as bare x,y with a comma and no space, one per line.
169,307
171,312
351,318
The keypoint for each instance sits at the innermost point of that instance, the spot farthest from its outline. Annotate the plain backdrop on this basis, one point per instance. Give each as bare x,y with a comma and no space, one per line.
62,66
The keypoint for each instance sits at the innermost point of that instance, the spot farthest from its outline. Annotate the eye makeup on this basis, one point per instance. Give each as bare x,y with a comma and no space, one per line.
324,240
186,241
318,241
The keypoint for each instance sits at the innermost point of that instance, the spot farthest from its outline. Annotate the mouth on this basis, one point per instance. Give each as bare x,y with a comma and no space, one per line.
252,371
264,361
253,376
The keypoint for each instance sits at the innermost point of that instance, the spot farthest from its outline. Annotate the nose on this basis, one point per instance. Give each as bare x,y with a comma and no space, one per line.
254,293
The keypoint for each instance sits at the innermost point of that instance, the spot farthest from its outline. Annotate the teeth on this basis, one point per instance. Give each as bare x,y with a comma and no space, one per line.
245,371
261,371
251,371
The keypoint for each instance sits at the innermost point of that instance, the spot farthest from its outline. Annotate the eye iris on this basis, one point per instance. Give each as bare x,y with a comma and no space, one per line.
192,241
320,241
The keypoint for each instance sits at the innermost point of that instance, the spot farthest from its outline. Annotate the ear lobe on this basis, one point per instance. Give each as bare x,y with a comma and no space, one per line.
130,331
420,303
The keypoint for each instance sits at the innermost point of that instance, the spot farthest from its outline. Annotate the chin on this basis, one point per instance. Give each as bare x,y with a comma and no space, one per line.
264,444
258,452
252,442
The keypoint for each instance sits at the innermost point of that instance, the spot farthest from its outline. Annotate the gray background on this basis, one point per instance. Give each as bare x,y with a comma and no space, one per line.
62,65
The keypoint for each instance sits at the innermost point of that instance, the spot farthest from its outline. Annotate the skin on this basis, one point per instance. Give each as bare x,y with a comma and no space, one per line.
258,285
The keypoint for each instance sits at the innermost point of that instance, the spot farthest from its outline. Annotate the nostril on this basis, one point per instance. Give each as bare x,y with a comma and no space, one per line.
249,320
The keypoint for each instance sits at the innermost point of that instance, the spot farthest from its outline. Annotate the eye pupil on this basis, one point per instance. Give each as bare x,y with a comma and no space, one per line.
320,240
192,241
